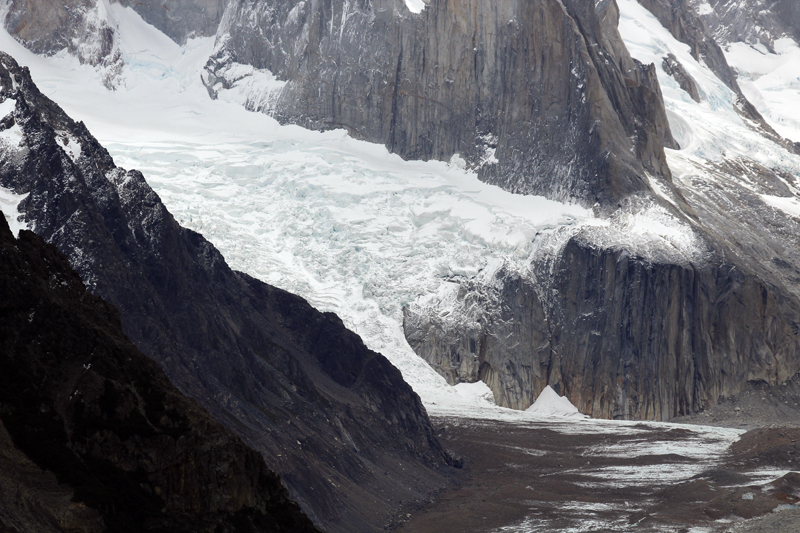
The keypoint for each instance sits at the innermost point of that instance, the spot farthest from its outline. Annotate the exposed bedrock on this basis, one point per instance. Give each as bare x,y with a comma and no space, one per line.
180,19
540,97
78,26
622,336
349,437
94,437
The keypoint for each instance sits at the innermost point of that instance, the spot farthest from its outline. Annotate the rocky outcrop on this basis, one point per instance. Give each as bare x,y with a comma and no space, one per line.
349,437
621,335
673,67
87,30
751,21
538,97
79,26
93,437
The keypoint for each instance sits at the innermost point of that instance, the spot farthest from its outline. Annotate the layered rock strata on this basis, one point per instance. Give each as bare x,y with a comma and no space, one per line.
349,437
538,97
94,437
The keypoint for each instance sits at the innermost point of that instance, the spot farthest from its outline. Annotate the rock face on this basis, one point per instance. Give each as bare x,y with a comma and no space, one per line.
93,437
180,19
79,26
622,336
751,21
682,19
539,97
336,420
87,30
673,67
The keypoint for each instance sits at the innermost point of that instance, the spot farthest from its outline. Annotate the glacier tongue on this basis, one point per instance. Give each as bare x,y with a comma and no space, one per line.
350,227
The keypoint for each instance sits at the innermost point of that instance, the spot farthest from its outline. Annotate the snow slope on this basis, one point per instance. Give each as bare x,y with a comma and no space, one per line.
345,224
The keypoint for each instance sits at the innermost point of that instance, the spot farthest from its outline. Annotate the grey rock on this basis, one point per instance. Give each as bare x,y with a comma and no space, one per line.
180,19
47,27
620,335
751,21
538,97
673,67
683,21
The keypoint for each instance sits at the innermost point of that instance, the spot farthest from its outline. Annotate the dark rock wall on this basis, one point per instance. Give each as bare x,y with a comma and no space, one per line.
127,450
621,336
349,437
180,19
674,68
548,92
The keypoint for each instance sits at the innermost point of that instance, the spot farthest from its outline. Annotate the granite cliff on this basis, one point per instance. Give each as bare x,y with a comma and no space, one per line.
538,97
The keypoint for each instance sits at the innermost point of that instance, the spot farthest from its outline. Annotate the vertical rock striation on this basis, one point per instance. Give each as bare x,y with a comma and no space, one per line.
539,97
623,336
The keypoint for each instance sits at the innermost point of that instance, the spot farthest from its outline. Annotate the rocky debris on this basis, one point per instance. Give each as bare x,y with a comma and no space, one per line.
93,437
563,476
757,406
539,98
674,68
349,437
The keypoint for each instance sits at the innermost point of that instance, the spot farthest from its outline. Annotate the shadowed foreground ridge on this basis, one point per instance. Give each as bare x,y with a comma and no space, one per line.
94,437
350,439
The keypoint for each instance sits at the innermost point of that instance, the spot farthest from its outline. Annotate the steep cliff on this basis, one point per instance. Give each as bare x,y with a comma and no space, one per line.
642,315
117,447
349,437
538,97
623,336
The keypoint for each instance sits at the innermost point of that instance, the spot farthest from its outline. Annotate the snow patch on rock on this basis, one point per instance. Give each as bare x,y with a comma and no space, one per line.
9,205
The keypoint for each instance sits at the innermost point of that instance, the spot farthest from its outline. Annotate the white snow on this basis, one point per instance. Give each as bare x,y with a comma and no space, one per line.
771,82
550,404
712,131
343,223
70,145
7,106
9,205
789,205
11,137
415,6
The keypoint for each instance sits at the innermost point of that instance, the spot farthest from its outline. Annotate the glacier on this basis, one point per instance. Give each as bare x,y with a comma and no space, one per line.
362,233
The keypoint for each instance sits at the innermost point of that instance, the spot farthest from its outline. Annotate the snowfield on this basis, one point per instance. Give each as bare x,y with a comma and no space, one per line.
350,227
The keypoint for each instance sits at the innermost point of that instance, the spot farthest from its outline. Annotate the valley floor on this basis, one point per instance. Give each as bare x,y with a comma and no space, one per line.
591,475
